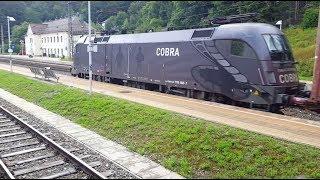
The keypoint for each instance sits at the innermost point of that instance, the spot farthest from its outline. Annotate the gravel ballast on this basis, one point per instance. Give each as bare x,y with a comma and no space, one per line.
68,143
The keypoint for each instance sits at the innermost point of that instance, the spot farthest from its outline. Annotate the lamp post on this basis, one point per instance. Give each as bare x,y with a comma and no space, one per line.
10,50
90,47
279,23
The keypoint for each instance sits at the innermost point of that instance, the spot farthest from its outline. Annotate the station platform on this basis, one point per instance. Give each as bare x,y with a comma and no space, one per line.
279,126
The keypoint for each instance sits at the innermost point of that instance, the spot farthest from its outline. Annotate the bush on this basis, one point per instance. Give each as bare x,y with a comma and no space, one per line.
305,67
303,46
310,18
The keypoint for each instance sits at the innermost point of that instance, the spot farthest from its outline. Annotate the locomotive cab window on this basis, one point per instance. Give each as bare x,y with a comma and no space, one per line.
242,49
235,48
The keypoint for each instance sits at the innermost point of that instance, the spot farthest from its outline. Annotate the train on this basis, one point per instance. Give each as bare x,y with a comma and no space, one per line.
246,64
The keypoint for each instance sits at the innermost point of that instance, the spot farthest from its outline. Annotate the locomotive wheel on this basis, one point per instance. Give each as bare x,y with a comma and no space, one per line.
101,78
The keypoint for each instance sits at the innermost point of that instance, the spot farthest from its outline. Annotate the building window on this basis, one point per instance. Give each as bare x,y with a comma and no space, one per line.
57,38
58,52
48,39
61,38
54,39
62,52
51,39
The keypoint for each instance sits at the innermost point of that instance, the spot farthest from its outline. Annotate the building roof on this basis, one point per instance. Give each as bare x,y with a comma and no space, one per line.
60,25
38,28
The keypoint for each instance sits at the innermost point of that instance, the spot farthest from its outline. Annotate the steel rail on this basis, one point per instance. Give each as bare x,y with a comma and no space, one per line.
75,160
41,61
6,170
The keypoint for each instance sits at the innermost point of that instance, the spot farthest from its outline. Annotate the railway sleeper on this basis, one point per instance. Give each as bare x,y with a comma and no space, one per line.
5,121
7,124
42,147
68,171
17,139
20,145
10,129
38,168
12,134
28,160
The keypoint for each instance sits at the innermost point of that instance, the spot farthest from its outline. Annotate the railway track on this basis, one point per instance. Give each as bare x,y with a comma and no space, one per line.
26,62
28,153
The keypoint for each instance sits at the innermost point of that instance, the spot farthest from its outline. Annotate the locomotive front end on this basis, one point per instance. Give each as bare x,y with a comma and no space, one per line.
282,61
283,78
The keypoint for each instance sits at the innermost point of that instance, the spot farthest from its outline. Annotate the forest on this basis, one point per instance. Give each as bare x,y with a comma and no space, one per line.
142,16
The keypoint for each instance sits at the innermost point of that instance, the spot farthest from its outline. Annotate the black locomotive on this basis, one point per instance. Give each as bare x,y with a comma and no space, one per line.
243,63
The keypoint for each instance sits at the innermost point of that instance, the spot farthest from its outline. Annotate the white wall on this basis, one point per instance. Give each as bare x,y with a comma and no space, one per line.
32,43
48,44
55,43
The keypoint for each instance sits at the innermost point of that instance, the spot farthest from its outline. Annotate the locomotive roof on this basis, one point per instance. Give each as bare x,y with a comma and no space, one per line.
227,31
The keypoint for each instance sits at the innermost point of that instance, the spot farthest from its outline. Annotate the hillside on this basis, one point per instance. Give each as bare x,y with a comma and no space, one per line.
303,43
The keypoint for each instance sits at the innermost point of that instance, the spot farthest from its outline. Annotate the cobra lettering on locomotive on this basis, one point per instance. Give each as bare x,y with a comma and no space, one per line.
167,52
287,78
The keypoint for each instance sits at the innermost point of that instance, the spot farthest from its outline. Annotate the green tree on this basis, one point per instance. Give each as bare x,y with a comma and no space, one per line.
189,14
134,14
155,12
33,16
98,27
310,18
18,33
125,27
110,23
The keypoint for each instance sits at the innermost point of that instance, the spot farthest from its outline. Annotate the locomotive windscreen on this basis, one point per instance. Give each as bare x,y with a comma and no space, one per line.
278,47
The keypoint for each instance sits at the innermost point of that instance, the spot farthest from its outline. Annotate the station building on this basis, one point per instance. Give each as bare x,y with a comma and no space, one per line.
51,39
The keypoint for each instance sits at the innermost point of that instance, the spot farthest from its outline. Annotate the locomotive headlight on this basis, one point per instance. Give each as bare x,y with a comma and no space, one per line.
271,78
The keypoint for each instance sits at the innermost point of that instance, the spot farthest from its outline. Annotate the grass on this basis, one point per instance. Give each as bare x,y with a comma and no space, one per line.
305,78
66,59
303,46
194,149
